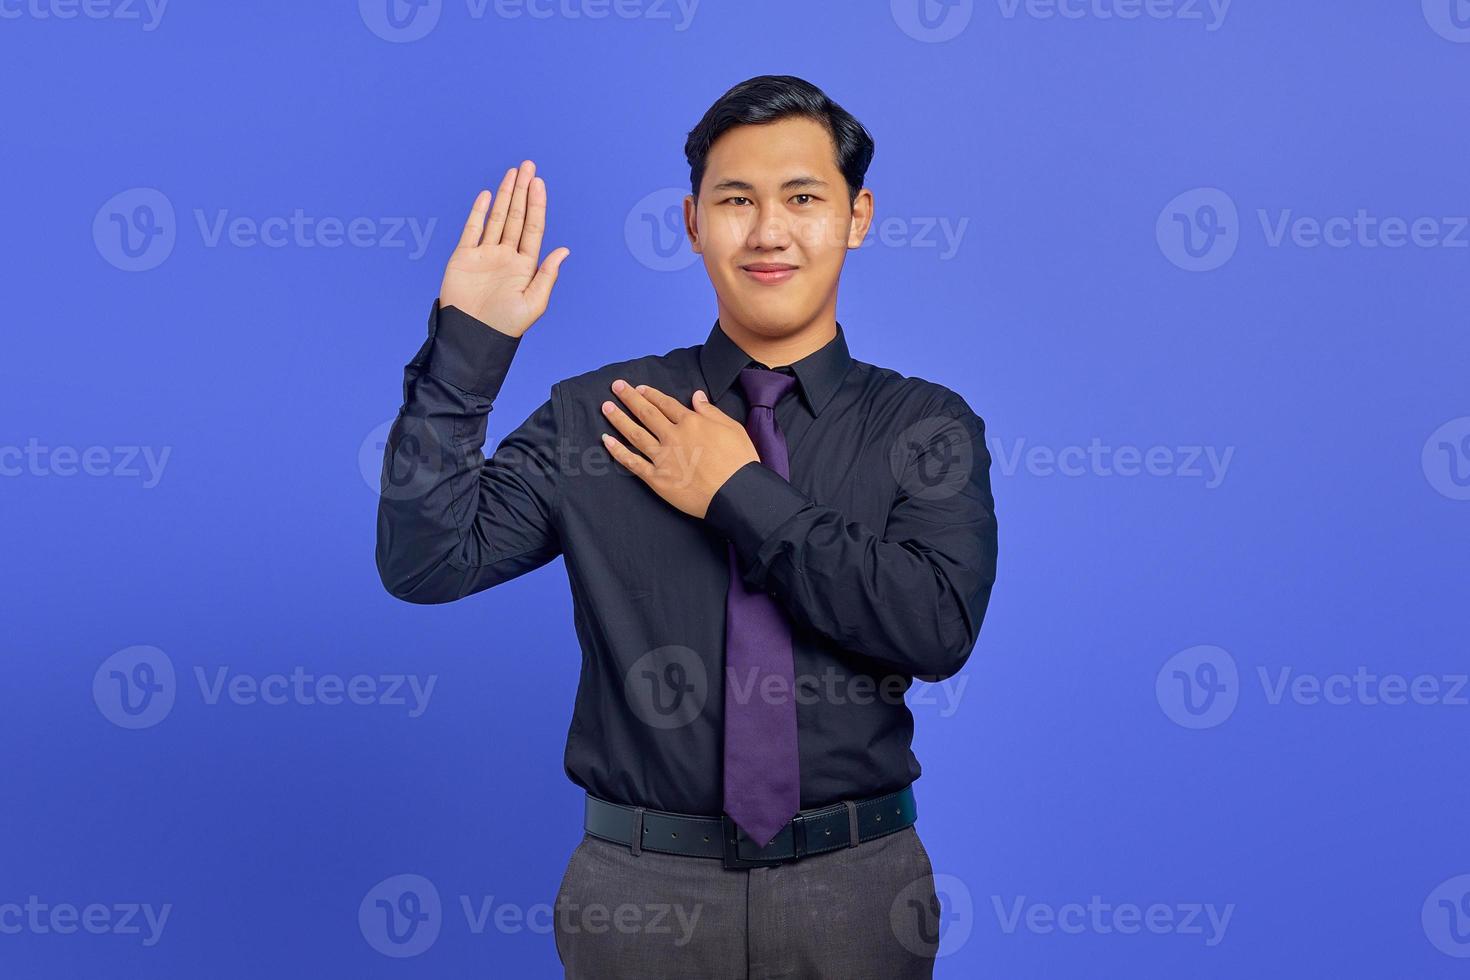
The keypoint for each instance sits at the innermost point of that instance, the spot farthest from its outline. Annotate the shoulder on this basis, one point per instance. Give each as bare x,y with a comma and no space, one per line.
659,370
910,396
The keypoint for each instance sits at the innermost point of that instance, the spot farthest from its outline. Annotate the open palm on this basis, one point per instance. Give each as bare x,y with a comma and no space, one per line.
495,274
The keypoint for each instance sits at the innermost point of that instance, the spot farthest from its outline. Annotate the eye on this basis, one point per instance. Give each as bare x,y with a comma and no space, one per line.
729,199
808,196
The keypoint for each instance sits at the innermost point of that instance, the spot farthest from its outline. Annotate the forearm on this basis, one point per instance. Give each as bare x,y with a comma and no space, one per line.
450,522
915,604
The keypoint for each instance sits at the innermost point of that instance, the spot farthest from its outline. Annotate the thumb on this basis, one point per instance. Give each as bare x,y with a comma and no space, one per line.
704,406
539,289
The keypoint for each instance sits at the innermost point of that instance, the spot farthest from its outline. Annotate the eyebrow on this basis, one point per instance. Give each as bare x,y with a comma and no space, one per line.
805,180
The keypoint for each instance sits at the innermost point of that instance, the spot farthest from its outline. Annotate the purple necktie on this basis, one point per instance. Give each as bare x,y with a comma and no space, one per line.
762,775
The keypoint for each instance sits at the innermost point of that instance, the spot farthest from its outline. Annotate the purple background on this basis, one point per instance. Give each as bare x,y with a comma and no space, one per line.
1051,148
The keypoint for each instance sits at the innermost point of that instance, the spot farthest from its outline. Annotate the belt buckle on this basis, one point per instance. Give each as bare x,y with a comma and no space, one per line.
739,851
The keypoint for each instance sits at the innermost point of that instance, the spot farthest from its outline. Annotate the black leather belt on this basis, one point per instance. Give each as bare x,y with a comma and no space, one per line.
844,824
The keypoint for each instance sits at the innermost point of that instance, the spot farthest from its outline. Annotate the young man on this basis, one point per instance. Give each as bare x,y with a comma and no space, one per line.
766,541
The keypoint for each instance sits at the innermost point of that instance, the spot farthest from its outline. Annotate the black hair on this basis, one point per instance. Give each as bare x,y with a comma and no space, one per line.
766,98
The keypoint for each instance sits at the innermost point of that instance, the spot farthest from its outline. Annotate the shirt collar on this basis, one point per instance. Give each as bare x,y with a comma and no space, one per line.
817,375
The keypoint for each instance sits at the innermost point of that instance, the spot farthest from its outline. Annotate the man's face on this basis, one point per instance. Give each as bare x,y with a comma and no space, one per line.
772,196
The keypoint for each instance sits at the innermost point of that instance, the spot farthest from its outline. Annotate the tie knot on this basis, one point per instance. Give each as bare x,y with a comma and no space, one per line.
765,387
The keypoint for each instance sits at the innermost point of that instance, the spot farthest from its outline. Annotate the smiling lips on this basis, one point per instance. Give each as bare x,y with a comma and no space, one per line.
769,272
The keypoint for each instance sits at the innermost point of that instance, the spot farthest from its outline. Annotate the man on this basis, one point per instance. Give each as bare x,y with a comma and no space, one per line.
766,541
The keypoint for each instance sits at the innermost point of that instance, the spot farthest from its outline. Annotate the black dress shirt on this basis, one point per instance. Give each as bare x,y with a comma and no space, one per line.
881,549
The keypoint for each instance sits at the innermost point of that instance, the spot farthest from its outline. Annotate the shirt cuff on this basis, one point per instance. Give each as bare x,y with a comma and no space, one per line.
467,352
750,505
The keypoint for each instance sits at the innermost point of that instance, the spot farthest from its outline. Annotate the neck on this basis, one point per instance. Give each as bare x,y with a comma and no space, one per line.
789,347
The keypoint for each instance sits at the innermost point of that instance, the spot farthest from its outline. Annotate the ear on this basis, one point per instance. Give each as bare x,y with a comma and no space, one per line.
691,223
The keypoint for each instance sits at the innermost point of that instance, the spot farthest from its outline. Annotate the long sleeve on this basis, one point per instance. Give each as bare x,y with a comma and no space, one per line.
912,597
450,521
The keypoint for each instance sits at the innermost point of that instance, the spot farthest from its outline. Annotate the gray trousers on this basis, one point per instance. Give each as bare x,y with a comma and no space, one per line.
868,912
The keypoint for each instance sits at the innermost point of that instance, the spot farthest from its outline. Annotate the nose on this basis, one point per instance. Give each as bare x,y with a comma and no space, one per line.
771,230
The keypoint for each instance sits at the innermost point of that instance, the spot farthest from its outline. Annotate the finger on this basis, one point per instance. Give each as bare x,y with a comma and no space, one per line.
671,407
704,406
629,459
640,437
475,223
538,293
535,218
498,212
516,218
645,411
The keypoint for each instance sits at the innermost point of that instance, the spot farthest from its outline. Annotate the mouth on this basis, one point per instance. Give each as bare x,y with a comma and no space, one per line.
769,272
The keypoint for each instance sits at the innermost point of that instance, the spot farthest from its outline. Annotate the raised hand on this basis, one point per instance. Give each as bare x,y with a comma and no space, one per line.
493,274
